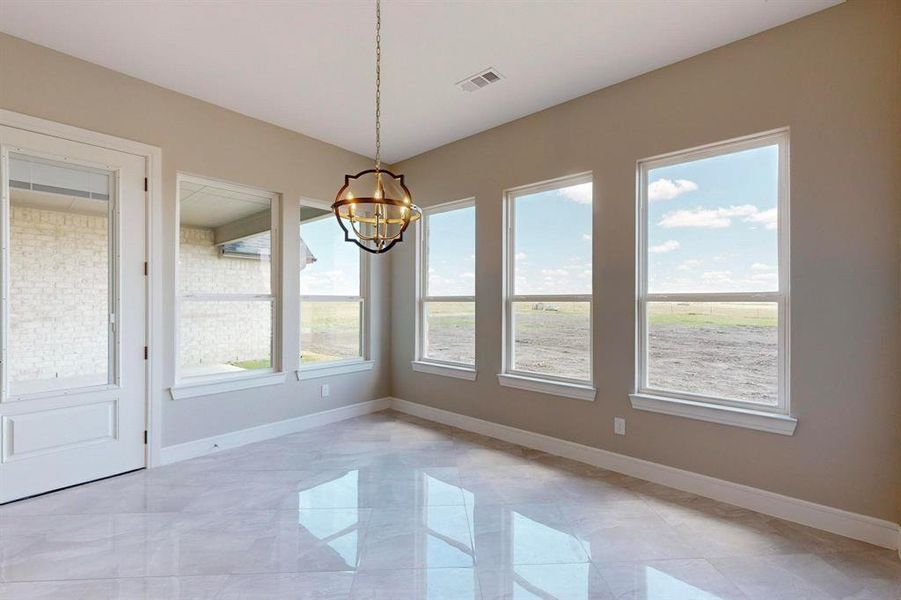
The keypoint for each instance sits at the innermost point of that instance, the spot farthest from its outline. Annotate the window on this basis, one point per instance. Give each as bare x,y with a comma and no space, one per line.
548,303
446,302
332,299
713,275
227,309
63,257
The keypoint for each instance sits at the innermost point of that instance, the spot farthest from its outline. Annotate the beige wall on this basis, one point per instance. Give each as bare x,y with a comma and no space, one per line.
202,139
833,78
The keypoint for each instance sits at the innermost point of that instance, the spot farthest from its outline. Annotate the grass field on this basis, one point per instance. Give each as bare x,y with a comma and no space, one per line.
329,331
723,314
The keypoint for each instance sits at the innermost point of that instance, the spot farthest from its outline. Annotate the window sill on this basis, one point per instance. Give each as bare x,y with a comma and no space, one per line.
210,386
330,370
422,366
548,386
713,413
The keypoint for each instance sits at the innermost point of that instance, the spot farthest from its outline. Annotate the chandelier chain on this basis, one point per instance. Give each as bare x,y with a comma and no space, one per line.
378,85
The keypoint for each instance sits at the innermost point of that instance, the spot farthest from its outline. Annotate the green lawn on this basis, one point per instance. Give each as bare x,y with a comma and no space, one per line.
721,314
256,363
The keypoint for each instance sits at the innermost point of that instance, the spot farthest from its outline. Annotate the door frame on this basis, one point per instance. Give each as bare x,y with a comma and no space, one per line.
153,210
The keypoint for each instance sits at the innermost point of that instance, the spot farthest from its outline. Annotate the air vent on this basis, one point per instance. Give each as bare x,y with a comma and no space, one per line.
479,80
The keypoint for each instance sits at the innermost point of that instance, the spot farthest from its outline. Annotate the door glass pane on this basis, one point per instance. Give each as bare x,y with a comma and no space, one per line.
450,331
553,338
329,330
224,336
720,349
60,331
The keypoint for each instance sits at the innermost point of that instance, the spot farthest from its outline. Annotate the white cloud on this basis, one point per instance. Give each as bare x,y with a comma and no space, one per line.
586,237
706,218
667,246
667,189
766,218
554,272
521,256
689,265
767,277
580,193
466,275
762,267
717,276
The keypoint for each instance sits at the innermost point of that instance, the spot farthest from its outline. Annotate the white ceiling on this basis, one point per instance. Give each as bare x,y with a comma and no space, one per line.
211,206
308,66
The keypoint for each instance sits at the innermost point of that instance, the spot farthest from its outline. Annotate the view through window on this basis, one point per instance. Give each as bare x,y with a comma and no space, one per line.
226,308
331,300
447,298
549,282
712,295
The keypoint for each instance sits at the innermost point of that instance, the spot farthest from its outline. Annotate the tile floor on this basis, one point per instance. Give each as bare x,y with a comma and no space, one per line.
390,506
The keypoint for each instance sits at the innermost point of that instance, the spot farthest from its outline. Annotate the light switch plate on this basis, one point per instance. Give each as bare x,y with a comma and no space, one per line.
324,391
619,425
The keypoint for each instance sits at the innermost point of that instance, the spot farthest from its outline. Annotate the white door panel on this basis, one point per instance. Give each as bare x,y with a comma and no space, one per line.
72,407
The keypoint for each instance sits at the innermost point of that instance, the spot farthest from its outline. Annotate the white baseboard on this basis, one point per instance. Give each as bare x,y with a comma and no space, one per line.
860,527
217,443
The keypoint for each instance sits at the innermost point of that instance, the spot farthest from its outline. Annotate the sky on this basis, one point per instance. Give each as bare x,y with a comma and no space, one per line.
711,228
712,224
552,245
336,271
552,241
452,253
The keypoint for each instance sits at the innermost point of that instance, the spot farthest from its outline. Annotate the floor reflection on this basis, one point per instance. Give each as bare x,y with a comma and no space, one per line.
427,523
388,507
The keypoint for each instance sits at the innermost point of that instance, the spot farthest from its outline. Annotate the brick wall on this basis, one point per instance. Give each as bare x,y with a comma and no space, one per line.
215,332
59,290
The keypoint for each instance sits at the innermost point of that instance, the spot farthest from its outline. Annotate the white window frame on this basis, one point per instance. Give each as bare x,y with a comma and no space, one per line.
727,411
422,363
205,385
581,389
344,365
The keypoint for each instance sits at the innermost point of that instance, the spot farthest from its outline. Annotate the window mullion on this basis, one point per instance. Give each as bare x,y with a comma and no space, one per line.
225,297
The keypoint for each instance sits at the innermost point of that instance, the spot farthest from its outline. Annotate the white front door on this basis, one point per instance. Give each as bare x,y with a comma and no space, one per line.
73,314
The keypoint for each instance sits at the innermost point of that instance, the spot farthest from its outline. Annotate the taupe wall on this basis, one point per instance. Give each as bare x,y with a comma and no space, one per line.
202,139
833,78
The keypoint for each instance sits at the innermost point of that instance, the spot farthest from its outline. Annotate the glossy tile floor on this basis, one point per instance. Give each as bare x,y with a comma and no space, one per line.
389,506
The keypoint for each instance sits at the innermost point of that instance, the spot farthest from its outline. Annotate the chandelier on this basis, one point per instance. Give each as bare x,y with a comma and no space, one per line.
375,207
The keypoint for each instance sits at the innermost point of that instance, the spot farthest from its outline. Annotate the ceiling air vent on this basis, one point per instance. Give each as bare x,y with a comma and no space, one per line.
479,80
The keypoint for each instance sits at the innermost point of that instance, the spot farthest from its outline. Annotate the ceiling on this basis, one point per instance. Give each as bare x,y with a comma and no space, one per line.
309,66
210,206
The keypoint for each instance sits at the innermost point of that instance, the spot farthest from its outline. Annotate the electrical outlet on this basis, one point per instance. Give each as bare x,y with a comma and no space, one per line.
324,391
619,425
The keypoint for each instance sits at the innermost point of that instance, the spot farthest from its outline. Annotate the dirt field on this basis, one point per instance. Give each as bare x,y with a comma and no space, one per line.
720,349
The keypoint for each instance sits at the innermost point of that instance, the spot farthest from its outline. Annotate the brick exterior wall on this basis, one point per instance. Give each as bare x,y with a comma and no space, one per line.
59,293
220,332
